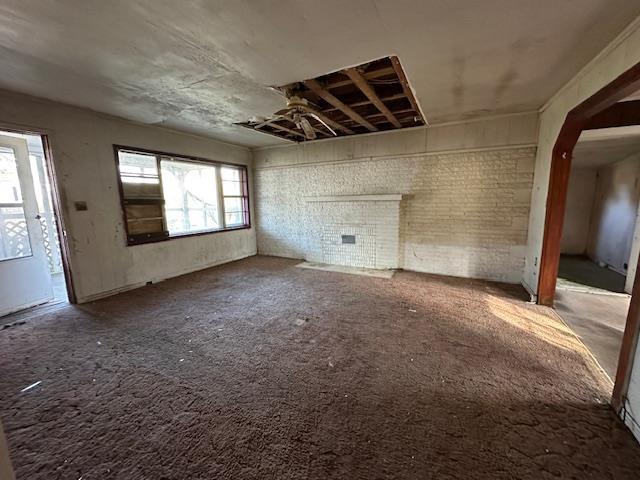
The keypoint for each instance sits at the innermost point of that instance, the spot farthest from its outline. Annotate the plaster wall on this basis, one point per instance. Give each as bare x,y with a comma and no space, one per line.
615,59
467,189
575,232
82,145
614,214
634,256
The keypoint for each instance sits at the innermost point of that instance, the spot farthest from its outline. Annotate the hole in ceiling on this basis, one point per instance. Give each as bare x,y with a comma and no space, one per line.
371,97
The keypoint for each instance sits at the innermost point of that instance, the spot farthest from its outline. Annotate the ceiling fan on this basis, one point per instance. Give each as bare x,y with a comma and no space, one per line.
298,111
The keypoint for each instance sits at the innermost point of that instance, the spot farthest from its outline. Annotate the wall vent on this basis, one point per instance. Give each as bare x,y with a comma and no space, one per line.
349,239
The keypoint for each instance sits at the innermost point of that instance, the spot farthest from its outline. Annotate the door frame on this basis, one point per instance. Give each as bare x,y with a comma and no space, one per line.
56,201
575,122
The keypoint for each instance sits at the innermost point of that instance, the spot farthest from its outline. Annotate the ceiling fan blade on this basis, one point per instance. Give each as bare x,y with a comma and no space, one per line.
323,123
275,118
284,111
309,132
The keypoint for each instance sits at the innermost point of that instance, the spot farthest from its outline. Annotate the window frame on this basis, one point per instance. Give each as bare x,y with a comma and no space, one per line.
179,158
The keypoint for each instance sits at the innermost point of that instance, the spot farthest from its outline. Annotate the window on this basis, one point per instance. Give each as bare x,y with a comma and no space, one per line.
14,236
166,196
234,194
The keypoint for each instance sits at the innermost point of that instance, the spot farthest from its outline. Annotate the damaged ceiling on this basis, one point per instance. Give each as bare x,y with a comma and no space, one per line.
372,97
203,66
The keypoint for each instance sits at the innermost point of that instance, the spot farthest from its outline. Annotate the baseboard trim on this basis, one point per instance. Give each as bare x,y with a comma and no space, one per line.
133,286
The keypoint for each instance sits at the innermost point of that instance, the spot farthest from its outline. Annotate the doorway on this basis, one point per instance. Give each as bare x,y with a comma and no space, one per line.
615,105
600,240
32,255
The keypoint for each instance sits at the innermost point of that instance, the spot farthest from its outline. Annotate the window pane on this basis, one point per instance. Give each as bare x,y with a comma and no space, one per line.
233,204
230,173
232,188
191,197
14,236
10,191
235,219
138,168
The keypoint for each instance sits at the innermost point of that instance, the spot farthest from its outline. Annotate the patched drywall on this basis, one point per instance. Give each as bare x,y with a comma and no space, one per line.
466,191
200,66
577,217
82,146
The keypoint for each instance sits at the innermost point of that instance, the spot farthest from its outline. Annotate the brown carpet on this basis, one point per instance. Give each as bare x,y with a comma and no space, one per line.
259,370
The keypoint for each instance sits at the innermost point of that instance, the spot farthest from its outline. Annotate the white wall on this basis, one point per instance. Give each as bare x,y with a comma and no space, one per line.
614,213
618,57
575,232
468,189
82,143
634,257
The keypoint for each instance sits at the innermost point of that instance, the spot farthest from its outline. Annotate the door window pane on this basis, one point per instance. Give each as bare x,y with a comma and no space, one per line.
14,235
191,196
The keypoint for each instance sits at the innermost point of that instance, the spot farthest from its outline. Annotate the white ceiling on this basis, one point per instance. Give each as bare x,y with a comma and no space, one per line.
201,65
597,148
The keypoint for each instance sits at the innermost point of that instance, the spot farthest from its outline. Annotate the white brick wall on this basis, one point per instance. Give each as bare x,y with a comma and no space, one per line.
375,224
465,213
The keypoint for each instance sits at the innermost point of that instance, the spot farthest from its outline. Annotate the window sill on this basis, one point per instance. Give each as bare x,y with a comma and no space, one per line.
188,234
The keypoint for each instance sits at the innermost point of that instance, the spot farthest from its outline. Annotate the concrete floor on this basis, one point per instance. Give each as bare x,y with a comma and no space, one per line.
258,369
579,271
59,288
586,299
599,322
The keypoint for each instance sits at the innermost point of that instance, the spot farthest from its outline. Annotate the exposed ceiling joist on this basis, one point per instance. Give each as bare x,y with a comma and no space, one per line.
390,98
405,84
395,112
332,123
381,72
357,107
360,82
316,88
283,129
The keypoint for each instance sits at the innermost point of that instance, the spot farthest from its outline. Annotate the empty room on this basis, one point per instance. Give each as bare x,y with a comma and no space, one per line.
371,239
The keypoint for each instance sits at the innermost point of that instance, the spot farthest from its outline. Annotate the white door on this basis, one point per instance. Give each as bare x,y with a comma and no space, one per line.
25,279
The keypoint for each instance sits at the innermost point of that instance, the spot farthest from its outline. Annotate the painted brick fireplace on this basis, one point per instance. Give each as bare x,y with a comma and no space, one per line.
355,230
